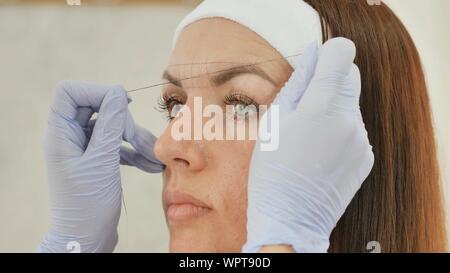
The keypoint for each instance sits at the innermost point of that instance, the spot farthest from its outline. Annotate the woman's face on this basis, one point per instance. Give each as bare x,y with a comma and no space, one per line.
205,181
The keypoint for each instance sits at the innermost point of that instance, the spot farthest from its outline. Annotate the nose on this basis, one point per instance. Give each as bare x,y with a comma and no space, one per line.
185,154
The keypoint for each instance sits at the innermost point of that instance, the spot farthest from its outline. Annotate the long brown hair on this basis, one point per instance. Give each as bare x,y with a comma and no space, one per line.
400,204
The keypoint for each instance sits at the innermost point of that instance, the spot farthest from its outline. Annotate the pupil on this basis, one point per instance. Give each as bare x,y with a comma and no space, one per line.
241,109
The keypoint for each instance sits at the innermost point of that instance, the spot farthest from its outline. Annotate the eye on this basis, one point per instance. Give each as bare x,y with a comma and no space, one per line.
175,110
170,105
243,111
243,107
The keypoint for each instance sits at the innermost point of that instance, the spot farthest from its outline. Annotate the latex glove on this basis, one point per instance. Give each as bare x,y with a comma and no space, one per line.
297,193
141,155
83,165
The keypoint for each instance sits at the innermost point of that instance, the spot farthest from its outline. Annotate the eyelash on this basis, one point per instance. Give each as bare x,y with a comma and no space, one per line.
167,102
238,97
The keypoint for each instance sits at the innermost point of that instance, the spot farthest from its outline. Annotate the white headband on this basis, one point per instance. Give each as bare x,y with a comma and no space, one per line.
288,25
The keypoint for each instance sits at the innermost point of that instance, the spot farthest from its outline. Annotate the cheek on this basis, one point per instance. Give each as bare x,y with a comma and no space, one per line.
232,172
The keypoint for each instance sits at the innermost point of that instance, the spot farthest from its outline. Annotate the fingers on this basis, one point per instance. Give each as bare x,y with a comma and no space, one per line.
83,115
71,96
335,58
336,84
347,96
141,161
72,107
128,133
71,111
110,125
292,92
141,155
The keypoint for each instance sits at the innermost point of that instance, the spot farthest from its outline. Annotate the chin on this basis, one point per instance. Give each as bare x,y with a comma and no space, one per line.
201,242
189,244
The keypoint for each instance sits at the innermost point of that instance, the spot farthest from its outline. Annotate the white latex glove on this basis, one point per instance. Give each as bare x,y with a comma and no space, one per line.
83,159
297,193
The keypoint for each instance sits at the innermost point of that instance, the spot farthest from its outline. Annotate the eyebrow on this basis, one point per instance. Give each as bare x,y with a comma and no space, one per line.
222,76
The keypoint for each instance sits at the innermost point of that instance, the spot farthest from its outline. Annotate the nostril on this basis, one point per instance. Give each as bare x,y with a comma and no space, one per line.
182,161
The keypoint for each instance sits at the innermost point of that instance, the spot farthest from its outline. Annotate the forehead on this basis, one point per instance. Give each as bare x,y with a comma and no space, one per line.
215,43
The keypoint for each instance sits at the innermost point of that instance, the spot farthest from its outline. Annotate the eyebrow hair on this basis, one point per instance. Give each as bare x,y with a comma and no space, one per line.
225,75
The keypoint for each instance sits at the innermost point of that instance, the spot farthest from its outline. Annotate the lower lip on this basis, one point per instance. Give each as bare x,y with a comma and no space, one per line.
183,212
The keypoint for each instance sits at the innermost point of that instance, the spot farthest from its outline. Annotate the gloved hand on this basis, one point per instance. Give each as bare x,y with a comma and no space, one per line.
83,158
297,193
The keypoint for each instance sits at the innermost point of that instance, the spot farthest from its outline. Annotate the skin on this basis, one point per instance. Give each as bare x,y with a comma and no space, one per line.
215,172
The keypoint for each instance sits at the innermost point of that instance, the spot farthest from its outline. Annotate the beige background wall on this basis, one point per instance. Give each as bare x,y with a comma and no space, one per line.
40,45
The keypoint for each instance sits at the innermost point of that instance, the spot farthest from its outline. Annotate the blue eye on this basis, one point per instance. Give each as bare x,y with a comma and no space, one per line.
243,111
243,107
176,108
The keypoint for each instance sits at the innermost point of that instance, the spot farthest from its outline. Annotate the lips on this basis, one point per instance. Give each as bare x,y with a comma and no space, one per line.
183,207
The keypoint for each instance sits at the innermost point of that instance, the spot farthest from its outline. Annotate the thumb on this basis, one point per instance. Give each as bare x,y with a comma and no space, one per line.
336,58
142,156
111,120
332,77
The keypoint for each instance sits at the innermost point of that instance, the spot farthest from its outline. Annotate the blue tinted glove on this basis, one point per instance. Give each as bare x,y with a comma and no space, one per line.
298,192
83,159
